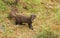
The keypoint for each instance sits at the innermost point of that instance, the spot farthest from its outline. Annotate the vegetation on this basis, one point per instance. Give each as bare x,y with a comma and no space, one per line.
46,24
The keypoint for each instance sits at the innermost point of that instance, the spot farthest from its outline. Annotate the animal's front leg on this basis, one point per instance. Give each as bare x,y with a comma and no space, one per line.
30,26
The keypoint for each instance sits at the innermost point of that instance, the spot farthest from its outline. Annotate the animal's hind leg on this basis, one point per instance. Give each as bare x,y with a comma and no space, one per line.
16,22
20,23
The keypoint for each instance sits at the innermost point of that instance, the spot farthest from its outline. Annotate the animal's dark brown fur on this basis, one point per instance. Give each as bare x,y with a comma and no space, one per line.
20,19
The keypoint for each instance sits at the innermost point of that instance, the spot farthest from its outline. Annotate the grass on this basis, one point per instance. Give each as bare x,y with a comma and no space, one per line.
47,34
46,24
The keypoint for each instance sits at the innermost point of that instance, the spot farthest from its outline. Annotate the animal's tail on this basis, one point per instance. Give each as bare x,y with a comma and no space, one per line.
14,11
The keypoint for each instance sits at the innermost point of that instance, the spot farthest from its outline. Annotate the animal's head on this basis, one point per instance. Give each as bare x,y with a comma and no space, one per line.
33,16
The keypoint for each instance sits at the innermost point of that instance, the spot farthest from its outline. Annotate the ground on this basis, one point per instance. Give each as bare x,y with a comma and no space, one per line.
48,19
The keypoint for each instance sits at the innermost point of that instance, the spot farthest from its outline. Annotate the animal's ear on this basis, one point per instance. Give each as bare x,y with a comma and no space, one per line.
33,16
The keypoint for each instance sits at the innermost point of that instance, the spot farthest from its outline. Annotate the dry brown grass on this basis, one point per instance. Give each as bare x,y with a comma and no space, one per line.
46,20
